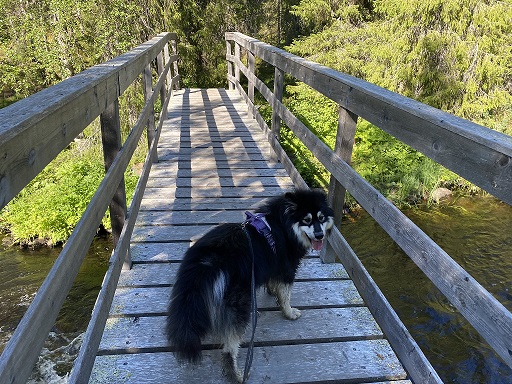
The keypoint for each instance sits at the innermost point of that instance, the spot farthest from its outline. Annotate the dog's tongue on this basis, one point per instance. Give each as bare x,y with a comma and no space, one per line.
317,244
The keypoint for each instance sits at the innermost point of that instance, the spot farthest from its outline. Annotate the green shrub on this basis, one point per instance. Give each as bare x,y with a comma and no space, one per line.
399,172
51,205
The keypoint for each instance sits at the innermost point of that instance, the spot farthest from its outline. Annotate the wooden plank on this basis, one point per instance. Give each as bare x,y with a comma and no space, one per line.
169,169
203,204
214,152
173,251
128,334
165,273
230,181
169,233
189,217
212,192
158,252
226,164
355,361
208,141
305,294
166,154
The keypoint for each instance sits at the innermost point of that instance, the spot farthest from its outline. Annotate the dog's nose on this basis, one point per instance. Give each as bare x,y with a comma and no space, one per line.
319,235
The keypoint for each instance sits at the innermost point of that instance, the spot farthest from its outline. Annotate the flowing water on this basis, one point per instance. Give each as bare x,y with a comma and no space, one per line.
476,232
21,273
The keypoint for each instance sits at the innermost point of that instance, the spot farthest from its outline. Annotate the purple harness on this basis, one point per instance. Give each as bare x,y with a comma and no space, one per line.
257,221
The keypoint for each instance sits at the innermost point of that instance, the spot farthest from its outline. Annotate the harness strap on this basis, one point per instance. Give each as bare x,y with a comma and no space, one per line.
260,224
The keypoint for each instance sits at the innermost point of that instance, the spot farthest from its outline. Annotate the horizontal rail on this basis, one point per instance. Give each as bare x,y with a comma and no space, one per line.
84,363
33,131
479,154
419,126
22,350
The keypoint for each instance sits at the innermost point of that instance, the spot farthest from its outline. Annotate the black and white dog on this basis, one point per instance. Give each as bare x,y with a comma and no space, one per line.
212,293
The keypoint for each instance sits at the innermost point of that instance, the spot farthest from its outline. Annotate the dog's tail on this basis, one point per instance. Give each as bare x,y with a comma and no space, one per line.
195,298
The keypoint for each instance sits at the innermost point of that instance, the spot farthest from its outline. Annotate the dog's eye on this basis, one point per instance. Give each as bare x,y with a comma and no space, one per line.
321,217
307,220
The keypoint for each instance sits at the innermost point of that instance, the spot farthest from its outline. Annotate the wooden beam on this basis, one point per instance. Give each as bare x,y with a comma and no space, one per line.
22,350
34,130
479,154
486,314
111,140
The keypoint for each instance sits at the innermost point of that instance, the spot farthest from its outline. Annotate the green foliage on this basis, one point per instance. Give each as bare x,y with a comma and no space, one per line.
51,205
448,54
402,174
44,42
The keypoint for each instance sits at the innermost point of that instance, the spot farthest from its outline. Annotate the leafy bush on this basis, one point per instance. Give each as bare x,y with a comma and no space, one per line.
51,205
401,173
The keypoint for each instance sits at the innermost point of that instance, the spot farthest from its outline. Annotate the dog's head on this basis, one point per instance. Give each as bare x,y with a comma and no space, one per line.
312,218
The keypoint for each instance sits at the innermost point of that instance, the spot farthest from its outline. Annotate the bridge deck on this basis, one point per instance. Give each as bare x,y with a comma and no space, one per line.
213,164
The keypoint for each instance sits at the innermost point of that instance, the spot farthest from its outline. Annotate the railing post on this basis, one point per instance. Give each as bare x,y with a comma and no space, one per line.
231,70
111,139
237,57
174,48
160,69
147,79
278,95
347,122
169,72
251,65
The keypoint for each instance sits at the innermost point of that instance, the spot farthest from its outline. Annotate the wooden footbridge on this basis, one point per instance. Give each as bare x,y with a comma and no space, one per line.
211,156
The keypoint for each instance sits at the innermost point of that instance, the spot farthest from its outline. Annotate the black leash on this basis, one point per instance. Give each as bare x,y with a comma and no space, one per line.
254,312
258,222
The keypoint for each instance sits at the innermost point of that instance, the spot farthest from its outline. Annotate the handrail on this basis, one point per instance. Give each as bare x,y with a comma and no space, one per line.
477,153
35,130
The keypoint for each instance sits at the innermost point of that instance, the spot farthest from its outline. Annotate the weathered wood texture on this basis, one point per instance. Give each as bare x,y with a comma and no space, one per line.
200,181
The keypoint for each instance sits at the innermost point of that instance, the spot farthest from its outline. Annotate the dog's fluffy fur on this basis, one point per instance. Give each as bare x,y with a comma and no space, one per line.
212,294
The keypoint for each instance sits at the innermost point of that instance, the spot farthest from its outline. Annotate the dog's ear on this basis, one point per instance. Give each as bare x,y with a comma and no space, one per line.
290,203
289,196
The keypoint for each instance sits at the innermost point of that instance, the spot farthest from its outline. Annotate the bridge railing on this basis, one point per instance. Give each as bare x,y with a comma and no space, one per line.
478,154
33,132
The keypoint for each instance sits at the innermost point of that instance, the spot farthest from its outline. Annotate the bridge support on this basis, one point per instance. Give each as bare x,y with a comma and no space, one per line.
347,122
111,139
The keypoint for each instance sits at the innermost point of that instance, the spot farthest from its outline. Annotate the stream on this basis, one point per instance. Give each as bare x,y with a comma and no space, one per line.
475,231
21,273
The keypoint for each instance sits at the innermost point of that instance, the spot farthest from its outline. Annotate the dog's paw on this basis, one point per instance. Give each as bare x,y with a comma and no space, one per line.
230,370
292,313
